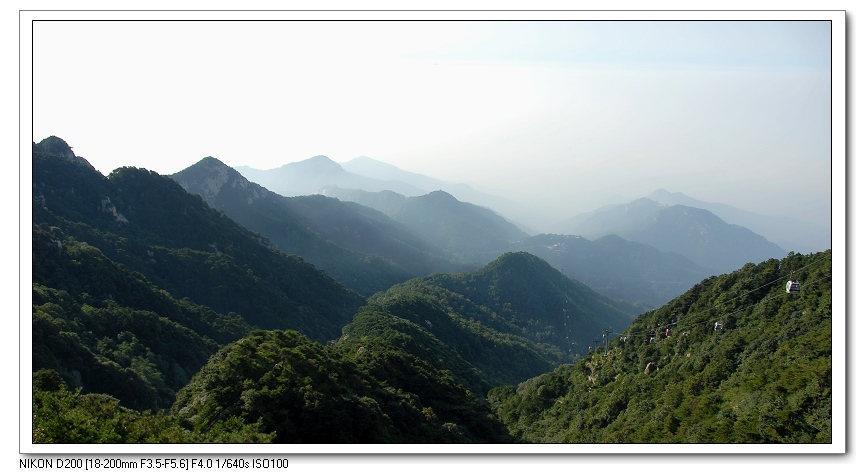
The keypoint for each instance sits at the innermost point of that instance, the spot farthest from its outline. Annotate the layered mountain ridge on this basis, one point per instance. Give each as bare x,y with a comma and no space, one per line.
365,250
310,175
694,233
149,293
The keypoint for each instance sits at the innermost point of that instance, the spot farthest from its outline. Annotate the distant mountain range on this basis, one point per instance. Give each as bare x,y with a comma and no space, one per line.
471,232
515,212
370,241
366,166
321,174
789,233
312,175
694,233
360,247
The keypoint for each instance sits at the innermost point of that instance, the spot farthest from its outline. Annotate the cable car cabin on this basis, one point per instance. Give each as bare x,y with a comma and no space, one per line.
793,287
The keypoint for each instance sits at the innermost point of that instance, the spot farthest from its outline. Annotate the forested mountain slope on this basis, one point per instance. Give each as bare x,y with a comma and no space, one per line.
549,307
763,376
517,296
149,224
413,366
136,282
303,392
120,267
498,348
362,248
618,268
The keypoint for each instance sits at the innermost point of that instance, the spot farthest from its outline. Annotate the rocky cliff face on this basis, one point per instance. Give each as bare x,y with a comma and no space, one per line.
107,206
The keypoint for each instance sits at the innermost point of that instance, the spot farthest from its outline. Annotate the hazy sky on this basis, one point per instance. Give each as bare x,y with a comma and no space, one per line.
563,115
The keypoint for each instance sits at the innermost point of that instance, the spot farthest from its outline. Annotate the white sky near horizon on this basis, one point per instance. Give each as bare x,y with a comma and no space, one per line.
565,116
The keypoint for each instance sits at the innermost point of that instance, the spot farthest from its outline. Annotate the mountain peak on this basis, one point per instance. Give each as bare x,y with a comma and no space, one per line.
518,257
440,196
57,146
207,178
640,208
320,164
211,161
665,197
210,164
644,201
660,194
520,265
441,200
321,158
527,288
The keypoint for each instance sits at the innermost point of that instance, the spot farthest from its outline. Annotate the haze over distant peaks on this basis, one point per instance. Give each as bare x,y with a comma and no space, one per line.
465,229
619,268
503,205
696,233
366,166
790,233
361,248
309,176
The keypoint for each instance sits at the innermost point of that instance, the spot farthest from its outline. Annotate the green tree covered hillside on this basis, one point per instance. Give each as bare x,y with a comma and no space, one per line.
525,292
137,283
763,376
304,392
150,225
